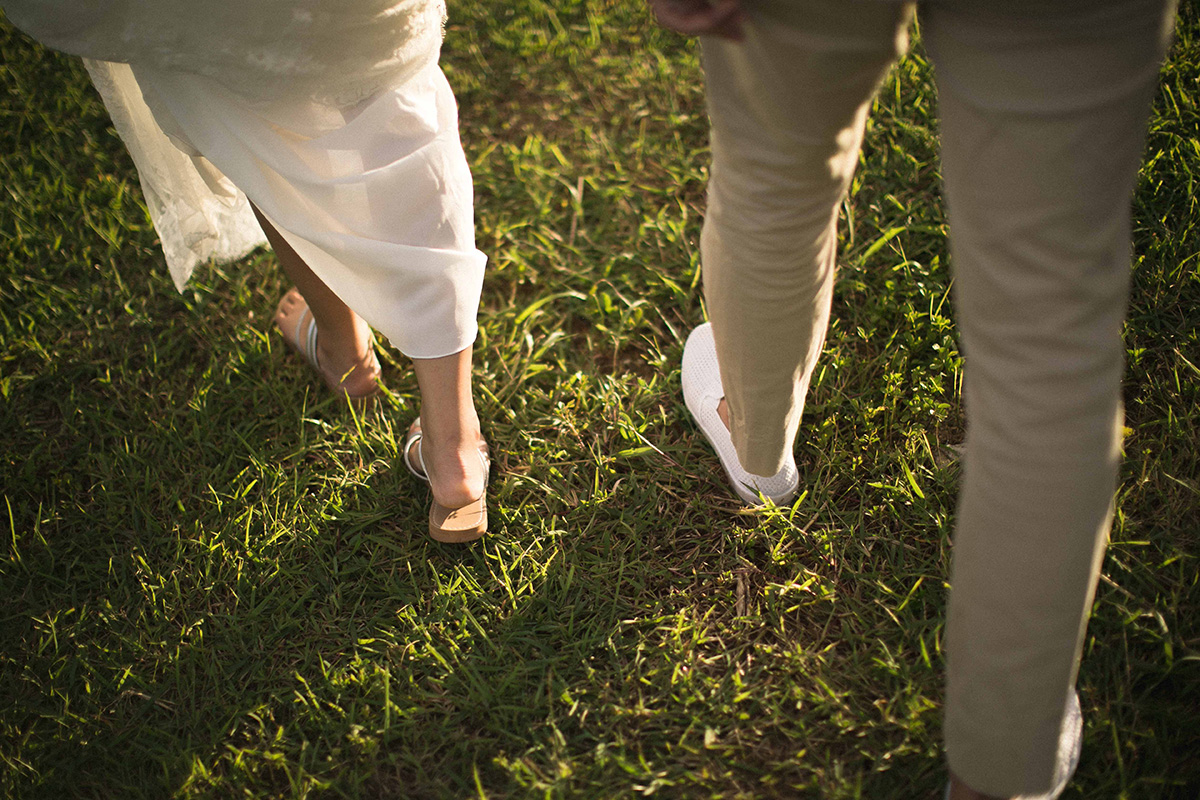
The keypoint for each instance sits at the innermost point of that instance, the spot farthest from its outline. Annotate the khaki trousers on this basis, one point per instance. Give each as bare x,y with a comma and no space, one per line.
1043,108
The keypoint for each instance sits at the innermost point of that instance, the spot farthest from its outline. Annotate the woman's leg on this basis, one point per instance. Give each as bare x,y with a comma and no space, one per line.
344,338
448,419
450,428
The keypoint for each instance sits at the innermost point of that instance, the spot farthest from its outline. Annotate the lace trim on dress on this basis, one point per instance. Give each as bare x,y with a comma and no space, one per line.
199,215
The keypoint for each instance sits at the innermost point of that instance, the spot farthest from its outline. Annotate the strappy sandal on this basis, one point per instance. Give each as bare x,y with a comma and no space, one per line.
455,525
303,339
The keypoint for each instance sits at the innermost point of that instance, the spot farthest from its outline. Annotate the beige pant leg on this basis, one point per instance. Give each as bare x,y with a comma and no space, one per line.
1043,110
788,107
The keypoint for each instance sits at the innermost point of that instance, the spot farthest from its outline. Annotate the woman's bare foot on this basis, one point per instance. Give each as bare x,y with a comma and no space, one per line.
452,464
451,429
348,364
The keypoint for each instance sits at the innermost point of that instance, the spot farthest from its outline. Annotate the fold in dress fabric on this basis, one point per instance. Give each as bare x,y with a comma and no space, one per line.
332,117
199,214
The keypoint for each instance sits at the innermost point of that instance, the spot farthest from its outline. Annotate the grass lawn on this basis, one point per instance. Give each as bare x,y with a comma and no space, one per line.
216,581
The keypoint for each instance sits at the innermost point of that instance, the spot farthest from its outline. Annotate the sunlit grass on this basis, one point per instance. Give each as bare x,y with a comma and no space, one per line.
217,582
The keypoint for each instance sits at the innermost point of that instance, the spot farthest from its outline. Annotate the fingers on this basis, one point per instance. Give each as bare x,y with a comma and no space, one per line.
701,17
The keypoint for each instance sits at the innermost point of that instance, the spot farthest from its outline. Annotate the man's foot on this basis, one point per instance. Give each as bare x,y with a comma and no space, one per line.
1070,741
344,367
957,790
723,413
705,398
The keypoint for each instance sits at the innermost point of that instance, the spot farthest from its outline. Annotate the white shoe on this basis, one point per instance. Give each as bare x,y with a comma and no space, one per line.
1070,741
702,393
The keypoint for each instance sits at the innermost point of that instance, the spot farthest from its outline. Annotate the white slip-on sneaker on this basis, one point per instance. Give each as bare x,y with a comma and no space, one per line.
1070,742
702,393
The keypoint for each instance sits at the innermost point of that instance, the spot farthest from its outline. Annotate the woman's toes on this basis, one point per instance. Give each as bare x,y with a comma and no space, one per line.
287,313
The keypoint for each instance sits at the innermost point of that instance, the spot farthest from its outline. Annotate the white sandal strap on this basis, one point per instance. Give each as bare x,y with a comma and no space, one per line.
417,465
306,337
414,438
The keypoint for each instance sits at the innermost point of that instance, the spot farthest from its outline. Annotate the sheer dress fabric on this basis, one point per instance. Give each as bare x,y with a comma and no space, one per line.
338,52
332,117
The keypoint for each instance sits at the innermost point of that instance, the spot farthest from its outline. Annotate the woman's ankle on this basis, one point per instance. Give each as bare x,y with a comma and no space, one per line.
352,366
456,472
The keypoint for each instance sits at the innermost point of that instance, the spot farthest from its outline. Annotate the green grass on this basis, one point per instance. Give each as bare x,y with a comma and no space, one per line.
217,583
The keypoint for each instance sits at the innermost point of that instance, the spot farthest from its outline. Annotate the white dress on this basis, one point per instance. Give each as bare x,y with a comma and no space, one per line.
331,115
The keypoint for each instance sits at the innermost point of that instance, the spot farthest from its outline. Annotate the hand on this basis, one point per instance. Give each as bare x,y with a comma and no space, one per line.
701,17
